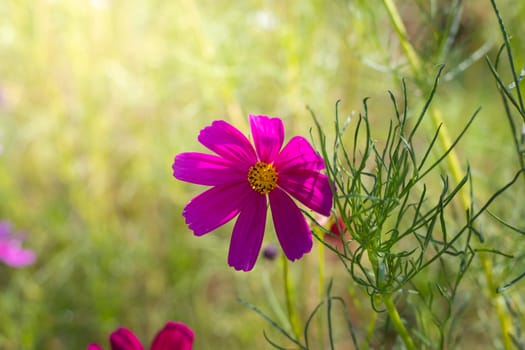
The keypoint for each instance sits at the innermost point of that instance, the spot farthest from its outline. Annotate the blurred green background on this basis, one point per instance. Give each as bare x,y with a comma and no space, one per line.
97,97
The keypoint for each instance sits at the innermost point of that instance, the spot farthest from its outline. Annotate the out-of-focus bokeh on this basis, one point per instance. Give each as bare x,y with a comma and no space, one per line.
97,97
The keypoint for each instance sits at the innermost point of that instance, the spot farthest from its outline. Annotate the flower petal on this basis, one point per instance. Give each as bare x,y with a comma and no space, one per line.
12,254
215,207
248,233
268,136
310,188
290,225
174,335
94,346
5,229
207,169
298,154
124,339
228,142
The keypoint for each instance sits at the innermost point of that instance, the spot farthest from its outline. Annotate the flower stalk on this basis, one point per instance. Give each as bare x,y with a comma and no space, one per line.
390,306
498,302
397,322
399,27
320,256
289,297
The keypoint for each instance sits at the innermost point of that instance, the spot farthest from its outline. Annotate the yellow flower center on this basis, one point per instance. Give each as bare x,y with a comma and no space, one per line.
262,177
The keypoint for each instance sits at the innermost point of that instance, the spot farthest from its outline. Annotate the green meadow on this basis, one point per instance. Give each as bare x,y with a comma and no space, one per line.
98,96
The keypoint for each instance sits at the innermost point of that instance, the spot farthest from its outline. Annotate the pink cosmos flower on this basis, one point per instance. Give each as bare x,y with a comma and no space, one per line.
245,177
11,251
174,336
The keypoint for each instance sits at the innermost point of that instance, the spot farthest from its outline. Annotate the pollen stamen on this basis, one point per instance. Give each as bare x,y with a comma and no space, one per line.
262,177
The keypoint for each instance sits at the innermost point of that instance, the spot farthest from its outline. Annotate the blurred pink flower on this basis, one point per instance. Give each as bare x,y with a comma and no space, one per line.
174,336
244,178
11,251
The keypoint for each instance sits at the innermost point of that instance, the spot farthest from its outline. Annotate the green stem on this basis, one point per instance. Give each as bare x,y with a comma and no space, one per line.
272,299
509,55
397,322
497,302
392,310
289,297
399,27
320,250
452,162
370,330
